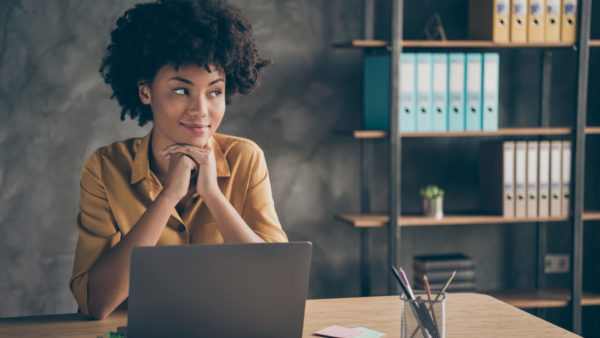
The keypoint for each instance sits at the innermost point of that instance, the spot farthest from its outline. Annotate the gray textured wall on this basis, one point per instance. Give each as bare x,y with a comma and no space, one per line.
55,110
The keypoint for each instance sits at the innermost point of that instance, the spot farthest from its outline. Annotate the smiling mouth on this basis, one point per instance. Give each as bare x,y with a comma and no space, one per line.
196,128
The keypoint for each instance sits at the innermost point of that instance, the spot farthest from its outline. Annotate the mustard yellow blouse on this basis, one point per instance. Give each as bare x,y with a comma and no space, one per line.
117,186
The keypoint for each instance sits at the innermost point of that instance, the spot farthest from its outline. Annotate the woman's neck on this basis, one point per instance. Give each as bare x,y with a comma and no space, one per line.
159,164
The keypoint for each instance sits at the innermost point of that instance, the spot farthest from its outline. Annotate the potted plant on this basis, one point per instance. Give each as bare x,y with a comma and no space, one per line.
433,201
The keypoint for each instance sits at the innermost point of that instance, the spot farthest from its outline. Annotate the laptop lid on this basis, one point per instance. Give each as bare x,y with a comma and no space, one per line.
219,290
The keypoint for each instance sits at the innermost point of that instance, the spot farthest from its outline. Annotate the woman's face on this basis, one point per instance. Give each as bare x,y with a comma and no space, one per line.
187,104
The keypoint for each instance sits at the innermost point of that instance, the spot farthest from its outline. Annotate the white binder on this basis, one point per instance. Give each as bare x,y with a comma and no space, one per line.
544,179
566,178
509,176
440,92
532,175
555,178
520,178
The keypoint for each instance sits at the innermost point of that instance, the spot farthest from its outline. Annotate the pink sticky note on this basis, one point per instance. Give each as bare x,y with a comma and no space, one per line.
336,331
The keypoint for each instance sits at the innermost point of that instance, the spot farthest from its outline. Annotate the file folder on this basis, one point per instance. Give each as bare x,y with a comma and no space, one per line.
536,21
456,92
552,21
520,178
568,25
518,21
491,74
440,92
474,91
408,94
376,92
489,20
555,178
496,178
566,179
544,179
424,99
532,176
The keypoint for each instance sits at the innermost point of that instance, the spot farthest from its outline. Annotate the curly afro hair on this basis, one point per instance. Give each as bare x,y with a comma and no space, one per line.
178,32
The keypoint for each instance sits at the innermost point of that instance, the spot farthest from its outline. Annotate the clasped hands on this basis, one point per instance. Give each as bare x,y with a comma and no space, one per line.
187,162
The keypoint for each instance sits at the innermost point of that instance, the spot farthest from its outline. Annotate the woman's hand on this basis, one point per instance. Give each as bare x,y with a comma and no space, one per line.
181,168
204,158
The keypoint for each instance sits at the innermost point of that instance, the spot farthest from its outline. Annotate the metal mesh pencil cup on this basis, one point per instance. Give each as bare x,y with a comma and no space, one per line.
422,318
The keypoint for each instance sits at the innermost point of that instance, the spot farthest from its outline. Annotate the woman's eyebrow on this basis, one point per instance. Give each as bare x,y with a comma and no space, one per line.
182,80
215,81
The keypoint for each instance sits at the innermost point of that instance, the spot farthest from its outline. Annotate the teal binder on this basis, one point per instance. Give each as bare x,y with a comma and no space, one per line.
408,98
491,75
456,92
424,92
440,92
376,92
473,87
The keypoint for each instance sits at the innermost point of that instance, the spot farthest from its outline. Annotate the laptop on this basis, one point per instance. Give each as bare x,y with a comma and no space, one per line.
219,290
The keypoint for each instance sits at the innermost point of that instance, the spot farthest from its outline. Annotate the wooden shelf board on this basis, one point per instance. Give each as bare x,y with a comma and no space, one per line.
591,215
543,298
450,44
364,134
379,220
594,43
592,130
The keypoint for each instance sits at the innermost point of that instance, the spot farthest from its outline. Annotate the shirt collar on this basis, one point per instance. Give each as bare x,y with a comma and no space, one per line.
141,162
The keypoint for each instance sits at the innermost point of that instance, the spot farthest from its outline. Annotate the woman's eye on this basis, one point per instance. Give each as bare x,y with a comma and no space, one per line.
215,93
180,91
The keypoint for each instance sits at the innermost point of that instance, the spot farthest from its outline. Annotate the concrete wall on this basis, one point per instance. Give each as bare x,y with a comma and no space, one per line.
55,110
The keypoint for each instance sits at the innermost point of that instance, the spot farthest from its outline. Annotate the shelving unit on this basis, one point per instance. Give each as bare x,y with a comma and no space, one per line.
574,297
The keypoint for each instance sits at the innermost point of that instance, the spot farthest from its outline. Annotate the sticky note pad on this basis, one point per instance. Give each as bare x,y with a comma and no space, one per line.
368,333
337,331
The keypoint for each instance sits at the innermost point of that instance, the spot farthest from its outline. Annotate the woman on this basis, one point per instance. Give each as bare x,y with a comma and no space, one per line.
175,63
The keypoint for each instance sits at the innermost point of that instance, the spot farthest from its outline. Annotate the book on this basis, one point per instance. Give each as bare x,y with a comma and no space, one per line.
453,261
454,286
442,275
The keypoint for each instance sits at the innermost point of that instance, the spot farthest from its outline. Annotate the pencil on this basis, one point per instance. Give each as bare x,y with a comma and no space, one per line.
445,286
426,282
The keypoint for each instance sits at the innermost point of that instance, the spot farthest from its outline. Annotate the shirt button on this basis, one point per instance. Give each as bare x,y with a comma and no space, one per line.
181,228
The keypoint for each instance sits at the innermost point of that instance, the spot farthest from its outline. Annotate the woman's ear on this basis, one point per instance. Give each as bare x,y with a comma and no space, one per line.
144,92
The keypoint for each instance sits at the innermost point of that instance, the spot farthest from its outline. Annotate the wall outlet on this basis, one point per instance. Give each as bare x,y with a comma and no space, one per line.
557,264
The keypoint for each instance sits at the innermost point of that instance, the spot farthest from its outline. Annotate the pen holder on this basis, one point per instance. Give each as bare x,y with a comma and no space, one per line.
423,318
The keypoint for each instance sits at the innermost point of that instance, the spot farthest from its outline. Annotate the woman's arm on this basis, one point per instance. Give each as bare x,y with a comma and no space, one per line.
108,282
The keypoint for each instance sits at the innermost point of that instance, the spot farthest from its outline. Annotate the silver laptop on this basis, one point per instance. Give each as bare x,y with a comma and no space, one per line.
219,290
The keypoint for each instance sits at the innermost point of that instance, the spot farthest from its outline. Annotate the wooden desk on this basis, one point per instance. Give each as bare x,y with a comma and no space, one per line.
467,315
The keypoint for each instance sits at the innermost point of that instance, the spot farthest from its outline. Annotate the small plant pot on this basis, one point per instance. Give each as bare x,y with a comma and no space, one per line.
434,207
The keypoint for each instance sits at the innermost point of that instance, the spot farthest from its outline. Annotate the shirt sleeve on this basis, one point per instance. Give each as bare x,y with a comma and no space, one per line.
96,227
259,208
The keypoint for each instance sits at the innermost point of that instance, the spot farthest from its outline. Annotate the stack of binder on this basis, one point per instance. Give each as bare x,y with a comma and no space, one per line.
523,20
439,267
438,92
526,179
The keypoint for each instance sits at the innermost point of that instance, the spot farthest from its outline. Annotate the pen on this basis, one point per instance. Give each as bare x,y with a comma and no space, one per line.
445,286
408,294
405,279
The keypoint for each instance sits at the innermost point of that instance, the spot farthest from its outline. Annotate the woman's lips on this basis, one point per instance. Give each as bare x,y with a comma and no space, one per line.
196,128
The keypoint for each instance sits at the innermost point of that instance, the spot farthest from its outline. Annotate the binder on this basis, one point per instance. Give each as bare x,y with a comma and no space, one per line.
566,179
408,97
491,74
568,27
376,92
520,179
440,92
518,21
496,178
424,99
473,88
552,21
532,175
544,179
536,21
456,92
555,178
489,20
